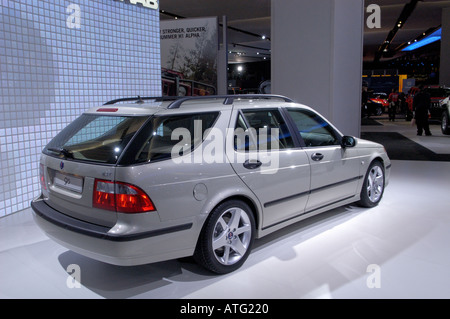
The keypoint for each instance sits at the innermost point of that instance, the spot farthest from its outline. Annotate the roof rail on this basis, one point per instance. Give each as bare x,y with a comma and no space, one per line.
228,99
141,100
178,100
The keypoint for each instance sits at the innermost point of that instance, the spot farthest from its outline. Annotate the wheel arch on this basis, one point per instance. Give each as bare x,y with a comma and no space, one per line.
251,202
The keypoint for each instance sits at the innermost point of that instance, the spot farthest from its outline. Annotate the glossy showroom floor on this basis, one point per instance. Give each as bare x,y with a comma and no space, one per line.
397,250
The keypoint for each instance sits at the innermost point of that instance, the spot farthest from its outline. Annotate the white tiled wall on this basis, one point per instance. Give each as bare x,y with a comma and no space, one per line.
52,70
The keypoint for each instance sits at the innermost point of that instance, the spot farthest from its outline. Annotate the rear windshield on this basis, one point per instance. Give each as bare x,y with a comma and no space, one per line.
95,138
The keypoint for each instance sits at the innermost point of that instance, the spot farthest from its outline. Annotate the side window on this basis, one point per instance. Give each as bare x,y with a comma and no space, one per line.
261,130
163,136
315,131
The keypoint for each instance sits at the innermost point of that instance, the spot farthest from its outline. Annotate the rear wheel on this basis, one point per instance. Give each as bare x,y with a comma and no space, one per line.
227,237
373,187
445,128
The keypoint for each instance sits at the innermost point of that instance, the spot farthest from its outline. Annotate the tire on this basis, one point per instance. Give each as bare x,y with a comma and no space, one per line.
226,238
373,186
445,125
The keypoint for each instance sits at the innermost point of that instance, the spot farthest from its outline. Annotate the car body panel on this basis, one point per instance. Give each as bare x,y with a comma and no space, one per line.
335,177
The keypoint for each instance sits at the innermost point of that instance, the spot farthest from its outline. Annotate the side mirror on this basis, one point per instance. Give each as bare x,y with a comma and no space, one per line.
348,141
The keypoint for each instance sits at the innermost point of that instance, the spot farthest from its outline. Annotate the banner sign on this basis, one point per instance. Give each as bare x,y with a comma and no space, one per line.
189,49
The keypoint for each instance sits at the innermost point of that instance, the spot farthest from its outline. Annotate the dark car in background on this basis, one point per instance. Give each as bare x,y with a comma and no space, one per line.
437,94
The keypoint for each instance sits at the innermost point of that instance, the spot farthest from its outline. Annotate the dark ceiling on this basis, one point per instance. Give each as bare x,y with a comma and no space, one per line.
249,20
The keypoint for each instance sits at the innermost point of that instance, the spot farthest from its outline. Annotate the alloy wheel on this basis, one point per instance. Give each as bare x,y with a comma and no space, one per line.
232,236
375,184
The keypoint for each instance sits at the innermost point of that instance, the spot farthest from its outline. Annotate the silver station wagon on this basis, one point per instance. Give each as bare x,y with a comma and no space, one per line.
142,180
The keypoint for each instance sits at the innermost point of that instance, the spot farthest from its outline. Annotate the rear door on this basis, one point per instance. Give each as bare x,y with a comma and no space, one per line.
86,150
335,171
271,164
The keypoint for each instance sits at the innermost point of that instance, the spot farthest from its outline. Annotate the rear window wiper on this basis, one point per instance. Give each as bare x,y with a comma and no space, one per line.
65,152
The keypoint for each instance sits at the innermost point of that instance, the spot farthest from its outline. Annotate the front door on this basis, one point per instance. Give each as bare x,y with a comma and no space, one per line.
335,171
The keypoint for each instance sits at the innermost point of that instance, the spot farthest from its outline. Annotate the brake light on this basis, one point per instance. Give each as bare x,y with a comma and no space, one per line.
42,177
106,109
121,197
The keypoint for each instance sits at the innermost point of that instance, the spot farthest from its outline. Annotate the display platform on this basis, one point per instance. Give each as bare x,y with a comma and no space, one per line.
396,250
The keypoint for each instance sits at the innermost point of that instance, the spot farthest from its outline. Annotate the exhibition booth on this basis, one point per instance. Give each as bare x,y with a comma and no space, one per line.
59,59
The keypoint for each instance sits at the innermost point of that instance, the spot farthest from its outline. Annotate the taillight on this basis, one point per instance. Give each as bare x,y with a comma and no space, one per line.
104,195
42,177
121,197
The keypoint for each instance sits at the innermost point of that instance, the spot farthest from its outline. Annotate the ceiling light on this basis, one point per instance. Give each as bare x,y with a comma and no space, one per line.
433,37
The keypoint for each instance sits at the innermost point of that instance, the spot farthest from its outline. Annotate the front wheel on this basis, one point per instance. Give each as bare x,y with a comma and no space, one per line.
445,128
373,187
227,237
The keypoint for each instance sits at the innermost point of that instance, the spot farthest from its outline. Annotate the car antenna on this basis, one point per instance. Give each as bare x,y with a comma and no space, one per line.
140,100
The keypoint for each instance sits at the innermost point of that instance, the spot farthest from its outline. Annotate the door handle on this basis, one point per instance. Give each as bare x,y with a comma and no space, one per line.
252,165
317,157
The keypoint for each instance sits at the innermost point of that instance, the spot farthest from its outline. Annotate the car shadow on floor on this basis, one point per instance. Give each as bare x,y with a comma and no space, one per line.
154,280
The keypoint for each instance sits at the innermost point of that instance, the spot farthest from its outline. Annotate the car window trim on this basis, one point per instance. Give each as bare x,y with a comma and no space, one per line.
292,127
247,124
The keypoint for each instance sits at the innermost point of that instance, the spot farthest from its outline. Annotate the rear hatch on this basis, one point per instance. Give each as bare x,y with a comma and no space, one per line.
81,160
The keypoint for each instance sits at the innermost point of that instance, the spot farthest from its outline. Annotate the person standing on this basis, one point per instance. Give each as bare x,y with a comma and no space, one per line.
393,104
421,108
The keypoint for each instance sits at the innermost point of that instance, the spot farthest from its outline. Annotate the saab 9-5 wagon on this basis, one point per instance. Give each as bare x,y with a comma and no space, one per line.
142,180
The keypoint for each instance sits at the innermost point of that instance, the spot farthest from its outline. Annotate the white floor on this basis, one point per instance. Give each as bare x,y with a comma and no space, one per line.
330,256
399,249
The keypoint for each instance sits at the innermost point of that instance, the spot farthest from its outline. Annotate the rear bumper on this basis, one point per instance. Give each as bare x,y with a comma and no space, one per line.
97,242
